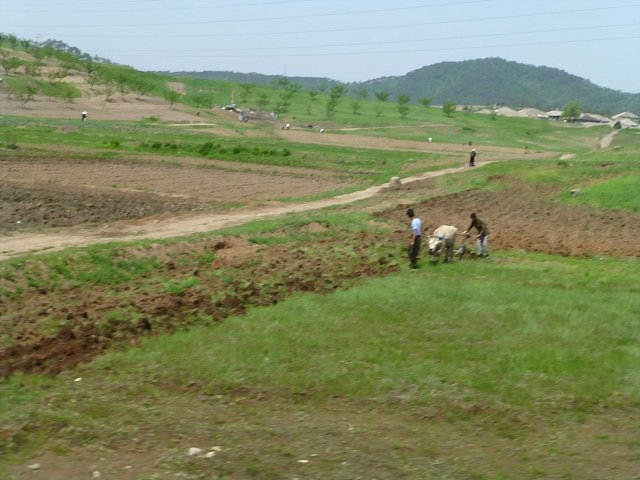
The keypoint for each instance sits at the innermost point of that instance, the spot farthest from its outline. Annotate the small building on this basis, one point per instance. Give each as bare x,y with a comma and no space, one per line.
592,118
554,114
626,116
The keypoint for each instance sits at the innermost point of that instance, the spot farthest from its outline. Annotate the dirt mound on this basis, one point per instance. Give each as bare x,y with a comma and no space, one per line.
97,317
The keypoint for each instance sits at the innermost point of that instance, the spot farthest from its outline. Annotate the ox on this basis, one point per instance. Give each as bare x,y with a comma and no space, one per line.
443,239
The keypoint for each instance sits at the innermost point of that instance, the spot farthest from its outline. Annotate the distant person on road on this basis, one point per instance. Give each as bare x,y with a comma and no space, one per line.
83,116
472,157
482,242
416,238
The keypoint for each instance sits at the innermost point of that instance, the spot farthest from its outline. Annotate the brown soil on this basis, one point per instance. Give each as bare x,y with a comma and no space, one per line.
521,217
529,218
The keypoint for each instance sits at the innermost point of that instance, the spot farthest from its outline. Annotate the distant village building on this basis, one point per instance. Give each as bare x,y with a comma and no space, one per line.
626,120
554,114
592,118
627,116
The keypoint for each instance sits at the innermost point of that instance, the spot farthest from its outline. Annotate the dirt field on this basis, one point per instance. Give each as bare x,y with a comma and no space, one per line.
522,217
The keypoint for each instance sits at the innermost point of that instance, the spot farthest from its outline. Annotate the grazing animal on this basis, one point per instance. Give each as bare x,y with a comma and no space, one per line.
443,239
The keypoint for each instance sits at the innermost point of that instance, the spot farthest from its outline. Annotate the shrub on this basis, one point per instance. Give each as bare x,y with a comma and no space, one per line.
205,148
111,143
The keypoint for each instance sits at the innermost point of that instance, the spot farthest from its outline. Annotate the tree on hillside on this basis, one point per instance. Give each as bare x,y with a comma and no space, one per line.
426,102
32,69
172,97
355,106
361,93
403,100
12,41
335,95
109,88
142,87
93,78
246,90
263,99
382,96
449,108
571,110
288,90
11,63
25,92
122,84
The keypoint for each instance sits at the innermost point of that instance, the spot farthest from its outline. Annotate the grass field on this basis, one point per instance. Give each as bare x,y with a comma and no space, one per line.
519,349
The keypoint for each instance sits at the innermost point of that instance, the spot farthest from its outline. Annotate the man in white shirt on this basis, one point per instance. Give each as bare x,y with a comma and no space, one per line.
416,238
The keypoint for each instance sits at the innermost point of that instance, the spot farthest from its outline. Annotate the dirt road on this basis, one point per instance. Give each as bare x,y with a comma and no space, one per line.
13,245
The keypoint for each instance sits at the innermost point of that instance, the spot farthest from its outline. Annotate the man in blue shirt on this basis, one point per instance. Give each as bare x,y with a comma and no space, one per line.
416,238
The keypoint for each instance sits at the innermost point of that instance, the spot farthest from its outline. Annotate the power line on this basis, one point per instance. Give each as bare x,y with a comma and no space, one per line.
378,52
262,19
155,8
359,44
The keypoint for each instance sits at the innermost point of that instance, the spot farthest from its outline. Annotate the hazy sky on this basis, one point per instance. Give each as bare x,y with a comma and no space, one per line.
344,40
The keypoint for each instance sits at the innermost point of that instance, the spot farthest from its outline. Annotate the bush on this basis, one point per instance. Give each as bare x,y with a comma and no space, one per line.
111,143
205,148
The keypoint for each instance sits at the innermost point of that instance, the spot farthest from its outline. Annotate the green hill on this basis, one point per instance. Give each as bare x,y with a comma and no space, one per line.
492,81
485,81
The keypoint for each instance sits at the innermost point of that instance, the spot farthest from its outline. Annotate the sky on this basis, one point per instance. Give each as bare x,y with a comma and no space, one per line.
343,40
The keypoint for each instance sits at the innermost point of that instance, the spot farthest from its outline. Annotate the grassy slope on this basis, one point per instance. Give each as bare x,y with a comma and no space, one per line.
516,350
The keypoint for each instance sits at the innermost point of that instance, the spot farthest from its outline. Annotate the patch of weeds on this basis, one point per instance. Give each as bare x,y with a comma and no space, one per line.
60,266
178,287
206,148
34,282
61,449
111,144
205,258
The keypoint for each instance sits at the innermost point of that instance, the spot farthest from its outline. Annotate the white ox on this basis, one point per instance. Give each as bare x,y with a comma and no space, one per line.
443,239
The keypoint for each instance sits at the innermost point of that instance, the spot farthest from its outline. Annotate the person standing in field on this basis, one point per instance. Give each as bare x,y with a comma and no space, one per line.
482,242
472,157
416,237
83,116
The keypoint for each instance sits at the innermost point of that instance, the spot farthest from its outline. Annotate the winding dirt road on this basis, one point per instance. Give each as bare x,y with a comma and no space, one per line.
183,225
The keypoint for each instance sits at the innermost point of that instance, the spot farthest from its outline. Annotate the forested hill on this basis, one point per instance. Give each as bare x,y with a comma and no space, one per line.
307,83
496,81
488,81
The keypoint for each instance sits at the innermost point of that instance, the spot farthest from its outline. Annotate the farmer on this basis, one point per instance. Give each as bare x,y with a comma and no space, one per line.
472,157
482,243
416,238
83,116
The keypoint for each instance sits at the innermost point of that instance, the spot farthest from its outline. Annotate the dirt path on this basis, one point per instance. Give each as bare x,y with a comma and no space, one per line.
183,225
607,139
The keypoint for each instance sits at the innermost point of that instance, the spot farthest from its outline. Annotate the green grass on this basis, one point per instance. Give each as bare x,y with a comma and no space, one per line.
617,193
578,172
518,337
367,166
61,90
527,332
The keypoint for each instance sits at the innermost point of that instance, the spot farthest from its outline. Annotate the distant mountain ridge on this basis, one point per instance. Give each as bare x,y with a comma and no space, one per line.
487,81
